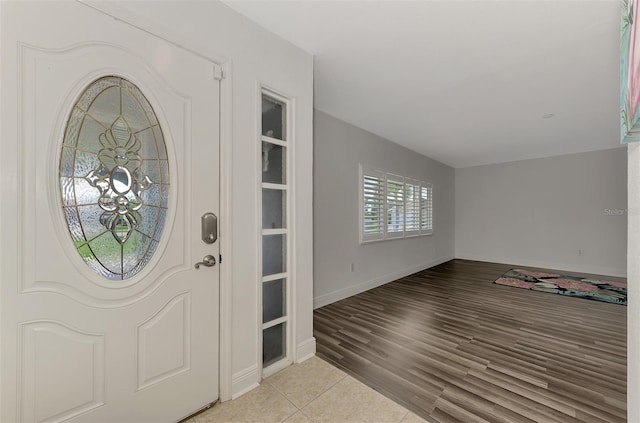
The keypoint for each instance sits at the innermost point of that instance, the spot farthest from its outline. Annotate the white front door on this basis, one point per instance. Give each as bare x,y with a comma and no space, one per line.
109,159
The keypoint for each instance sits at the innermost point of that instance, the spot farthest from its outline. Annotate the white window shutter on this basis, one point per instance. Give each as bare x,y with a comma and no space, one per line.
411,207
372,205
395,206
426,209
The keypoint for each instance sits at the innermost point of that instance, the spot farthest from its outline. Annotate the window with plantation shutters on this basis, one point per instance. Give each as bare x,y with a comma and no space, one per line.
393,206
372,210
426,209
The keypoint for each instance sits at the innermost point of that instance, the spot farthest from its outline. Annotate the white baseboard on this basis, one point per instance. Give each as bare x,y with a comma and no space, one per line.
244,381
584,268
306,350
341,294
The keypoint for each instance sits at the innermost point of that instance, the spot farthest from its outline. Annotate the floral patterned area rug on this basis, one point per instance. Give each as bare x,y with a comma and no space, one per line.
573,286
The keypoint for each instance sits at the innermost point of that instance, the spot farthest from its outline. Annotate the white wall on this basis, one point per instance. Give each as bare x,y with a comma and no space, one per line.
540,212
339,148
633,267
252,56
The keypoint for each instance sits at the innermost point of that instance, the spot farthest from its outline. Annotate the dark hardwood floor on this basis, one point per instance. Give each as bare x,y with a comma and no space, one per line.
451,346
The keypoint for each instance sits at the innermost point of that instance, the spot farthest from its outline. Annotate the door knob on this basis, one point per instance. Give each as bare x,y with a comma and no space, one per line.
207,261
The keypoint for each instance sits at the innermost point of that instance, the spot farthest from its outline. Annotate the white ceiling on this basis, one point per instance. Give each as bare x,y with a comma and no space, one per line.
464,82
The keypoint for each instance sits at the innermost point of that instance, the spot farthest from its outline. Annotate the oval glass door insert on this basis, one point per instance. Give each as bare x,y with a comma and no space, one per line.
114,178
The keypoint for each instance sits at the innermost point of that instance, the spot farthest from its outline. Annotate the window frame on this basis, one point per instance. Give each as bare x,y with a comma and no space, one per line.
288,318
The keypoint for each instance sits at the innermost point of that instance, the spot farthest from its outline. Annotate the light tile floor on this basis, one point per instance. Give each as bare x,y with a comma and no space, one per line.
310,392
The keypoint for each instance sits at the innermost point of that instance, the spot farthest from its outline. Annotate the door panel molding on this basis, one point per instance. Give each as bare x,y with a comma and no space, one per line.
170,330
72,346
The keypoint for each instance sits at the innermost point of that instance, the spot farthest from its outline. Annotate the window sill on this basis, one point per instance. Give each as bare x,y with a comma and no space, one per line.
397,238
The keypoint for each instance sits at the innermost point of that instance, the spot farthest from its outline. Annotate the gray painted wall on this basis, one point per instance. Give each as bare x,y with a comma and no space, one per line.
633,309
541,212
339,148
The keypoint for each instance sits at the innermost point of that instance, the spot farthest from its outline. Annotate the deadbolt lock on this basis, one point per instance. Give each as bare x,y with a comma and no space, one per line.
209,228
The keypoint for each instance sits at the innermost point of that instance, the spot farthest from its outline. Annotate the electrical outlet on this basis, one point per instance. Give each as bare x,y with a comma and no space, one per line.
581,252
353,267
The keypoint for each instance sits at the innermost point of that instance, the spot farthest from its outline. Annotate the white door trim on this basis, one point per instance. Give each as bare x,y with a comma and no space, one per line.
225,371
226,155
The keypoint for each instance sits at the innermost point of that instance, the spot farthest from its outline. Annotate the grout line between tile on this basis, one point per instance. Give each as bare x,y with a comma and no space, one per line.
307,416
288,400
325,391
317,396
344,377
283,394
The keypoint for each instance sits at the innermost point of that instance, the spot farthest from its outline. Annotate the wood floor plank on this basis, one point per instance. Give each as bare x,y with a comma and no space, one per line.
578,402
451,346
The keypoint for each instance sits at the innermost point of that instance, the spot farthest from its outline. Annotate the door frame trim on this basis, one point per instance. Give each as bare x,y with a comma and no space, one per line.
226,155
